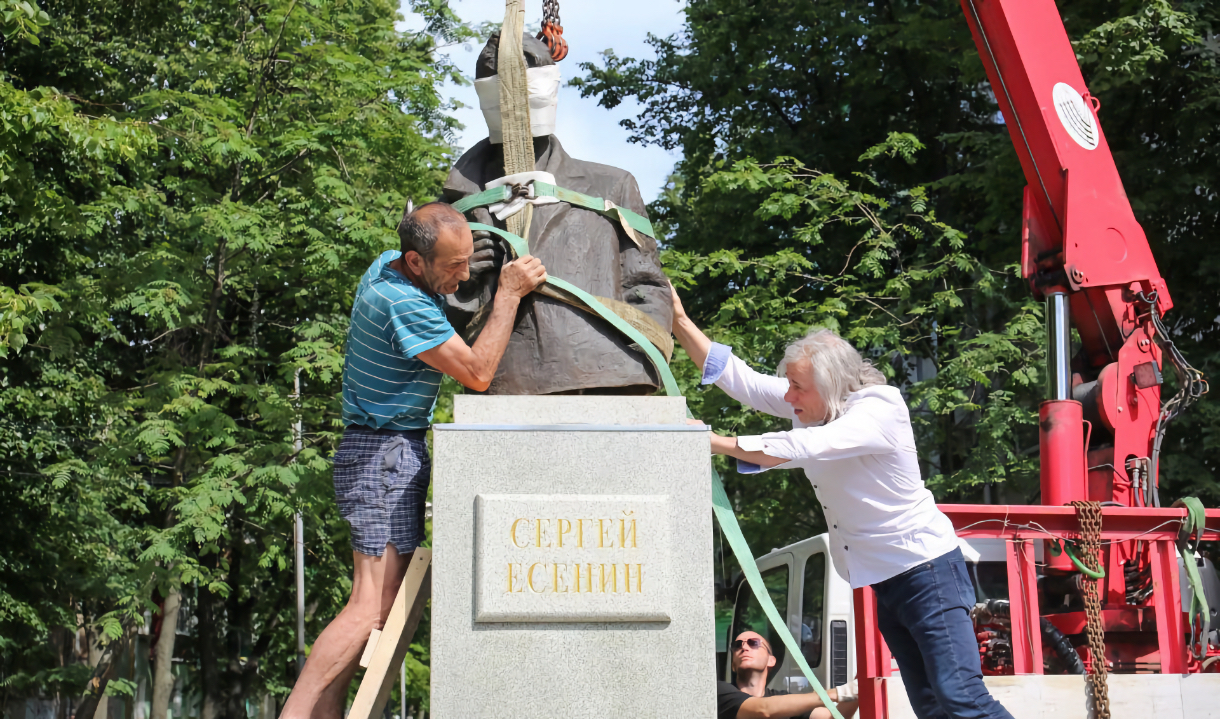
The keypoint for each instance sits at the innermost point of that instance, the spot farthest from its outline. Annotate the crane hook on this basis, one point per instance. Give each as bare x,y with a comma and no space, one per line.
552,31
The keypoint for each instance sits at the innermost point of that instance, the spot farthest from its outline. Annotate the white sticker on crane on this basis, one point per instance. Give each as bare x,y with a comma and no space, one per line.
1076,115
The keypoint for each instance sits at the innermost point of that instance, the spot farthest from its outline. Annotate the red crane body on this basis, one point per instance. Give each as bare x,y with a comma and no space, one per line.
1084,252
1079,237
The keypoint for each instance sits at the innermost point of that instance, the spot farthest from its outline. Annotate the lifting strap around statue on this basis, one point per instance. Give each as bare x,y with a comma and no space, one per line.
631,222
721,506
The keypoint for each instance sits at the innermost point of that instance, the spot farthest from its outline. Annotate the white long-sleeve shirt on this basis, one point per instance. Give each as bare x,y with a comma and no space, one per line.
863,467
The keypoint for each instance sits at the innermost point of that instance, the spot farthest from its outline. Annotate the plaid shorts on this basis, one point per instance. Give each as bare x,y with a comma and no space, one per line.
381,482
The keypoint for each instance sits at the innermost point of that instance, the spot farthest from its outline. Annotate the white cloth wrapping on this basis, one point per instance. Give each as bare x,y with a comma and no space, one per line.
503,210
543,85
863,467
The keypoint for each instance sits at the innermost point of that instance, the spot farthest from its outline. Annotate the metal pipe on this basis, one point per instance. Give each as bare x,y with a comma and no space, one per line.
1059,345
300,570
299,533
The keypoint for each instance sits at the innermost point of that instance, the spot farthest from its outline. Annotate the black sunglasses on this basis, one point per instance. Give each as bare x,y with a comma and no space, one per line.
752,642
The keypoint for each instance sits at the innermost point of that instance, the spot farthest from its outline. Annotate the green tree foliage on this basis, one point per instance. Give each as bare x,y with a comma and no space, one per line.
190,193
762,98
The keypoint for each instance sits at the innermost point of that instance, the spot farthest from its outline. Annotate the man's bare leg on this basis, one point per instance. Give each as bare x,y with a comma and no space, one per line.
321,690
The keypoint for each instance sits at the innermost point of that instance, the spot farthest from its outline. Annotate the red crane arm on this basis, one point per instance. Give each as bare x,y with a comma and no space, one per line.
1075,192
1082,248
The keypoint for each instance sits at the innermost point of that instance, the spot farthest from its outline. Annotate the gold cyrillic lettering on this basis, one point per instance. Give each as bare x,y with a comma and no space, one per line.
623,532
530,577
559,530
510,578
538,531
556,575
602,535
613,578
512,533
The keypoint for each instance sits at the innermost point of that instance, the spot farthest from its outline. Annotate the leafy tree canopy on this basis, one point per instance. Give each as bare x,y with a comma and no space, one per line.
190,192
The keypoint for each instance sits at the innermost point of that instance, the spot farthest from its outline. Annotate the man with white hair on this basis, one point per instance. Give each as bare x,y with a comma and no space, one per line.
851,433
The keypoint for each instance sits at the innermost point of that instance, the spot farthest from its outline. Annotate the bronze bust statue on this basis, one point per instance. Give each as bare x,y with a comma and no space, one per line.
557,348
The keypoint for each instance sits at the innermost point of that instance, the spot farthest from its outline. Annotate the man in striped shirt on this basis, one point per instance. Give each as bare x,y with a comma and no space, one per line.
399,344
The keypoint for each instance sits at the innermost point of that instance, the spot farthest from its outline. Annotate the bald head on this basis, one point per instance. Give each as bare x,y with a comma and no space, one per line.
420,230
757,658
436,248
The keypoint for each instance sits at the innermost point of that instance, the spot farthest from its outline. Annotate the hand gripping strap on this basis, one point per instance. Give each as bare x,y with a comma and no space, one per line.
520,247
720,499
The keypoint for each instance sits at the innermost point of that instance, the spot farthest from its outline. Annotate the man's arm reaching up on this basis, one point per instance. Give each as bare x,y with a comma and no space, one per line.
475,367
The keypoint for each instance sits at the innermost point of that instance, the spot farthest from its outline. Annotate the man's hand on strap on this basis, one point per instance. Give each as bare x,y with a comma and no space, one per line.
475,367
521,277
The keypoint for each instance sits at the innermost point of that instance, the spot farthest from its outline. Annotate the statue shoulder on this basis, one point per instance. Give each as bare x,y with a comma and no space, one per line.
466,176
612,183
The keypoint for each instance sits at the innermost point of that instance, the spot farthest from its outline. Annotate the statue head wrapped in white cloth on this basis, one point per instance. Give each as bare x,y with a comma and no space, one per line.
542,76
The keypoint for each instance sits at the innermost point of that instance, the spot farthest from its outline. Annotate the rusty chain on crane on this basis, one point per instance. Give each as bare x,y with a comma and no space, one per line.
1089,514
552,31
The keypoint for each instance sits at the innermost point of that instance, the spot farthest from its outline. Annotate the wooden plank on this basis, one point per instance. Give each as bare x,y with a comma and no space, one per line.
395,638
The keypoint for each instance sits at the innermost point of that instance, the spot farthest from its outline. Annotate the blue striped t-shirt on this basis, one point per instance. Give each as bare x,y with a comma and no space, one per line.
385,384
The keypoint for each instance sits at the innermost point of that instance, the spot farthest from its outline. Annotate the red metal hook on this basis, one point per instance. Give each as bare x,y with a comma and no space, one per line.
552,35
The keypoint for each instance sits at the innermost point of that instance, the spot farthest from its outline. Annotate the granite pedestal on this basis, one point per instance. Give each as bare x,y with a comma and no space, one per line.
572,572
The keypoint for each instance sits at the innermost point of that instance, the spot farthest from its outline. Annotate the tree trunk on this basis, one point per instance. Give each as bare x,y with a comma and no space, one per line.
163,660
105,661
209,661
95,690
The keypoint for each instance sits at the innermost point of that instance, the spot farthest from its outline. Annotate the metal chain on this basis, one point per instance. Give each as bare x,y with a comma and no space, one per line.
552,30
550,12
1089,514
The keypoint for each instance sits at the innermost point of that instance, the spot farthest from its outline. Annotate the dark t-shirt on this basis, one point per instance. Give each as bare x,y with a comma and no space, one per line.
729,700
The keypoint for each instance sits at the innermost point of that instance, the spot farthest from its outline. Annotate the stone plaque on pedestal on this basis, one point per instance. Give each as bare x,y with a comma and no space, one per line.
572,566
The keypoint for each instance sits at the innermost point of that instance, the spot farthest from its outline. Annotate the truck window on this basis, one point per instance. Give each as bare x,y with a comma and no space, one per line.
748,615
813,602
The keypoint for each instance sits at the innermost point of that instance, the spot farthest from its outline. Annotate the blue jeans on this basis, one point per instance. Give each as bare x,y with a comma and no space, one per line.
924,615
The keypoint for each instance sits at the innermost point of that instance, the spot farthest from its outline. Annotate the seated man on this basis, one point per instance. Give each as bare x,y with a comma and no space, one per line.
751,699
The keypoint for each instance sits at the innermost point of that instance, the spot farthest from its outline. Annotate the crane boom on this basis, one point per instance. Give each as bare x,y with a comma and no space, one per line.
1083,250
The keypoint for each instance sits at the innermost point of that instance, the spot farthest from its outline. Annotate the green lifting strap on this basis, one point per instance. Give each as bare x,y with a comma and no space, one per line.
631,221
483,199
520,248
721,506
1193,525
1057,547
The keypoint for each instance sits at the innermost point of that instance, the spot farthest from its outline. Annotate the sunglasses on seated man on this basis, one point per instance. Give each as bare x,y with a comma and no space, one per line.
752,642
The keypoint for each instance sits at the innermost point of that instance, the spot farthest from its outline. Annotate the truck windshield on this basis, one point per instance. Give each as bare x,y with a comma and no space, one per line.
748,614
